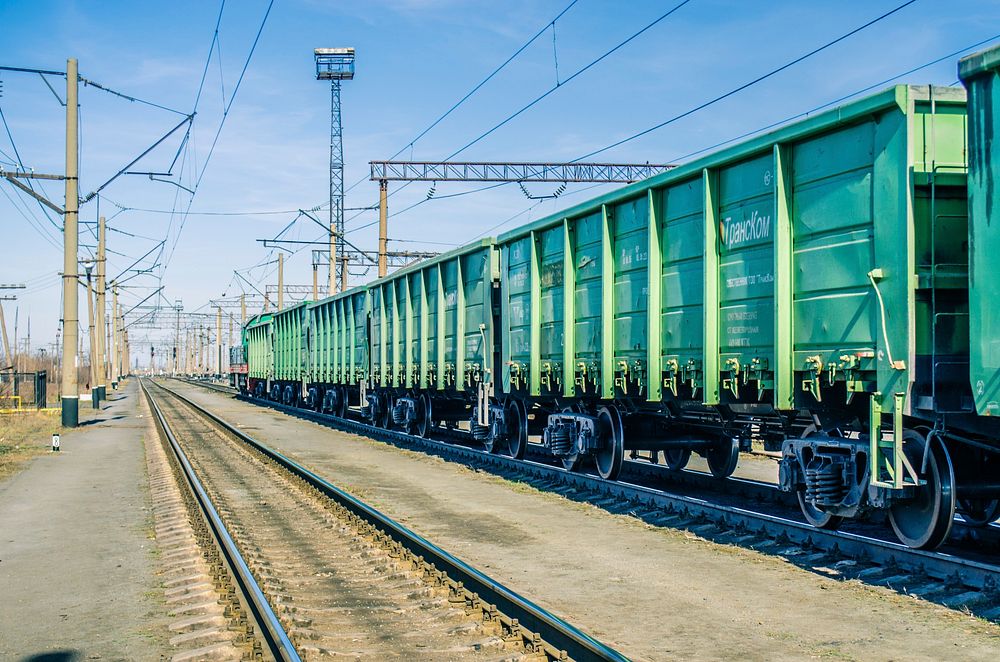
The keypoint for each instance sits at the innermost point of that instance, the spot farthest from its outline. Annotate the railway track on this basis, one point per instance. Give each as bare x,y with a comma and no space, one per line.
962,575
341,578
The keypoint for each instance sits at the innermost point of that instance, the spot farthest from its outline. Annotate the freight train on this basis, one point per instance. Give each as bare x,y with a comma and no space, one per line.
827,290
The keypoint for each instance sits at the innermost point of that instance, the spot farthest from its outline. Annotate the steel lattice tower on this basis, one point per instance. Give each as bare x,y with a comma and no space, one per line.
335,65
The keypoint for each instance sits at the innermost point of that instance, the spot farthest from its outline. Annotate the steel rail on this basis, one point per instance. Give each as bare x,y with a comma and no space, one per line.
552,629
939,566
272,632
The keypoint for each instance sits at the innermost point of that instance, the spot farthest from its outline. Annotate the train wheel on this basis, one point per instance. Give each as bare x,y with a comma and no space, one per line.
609,459
924,521
676,458
342,402
517,428
818,518
724,456
424,420
385,413
979,512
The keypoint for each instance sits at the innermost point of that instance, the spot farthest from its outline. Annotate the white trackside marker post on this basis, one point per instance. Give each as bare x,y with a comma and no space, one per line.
55,442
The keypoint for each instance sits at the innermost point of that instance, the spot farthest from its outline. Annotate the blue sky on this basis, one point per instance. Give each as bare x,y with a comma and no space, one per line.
414,59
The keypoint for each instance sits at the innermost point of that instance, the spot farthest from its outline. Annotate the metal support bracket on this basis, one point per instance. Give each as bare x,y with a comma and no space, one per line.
890,467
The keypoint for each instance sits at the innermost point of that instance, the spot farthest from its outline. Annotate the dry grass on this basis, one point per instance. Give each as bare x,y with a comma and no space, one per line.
22,437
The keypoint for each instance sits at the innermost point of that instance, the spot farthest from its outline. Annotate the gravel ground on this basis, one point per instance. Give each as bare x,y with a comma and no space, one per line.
653,593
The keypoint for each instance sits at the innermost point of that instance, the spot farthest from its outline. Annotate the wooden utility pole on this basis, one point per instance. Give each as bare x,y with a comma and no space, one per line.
383,226
95,396
102,350
71,313
281,281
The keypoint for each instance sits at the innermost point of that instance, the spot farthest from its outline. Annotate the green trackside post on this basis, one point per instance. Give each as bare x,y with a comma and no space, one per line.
459,325
535,316
340,340
350,338
383,343
441,377
569,311
654,267
505,294
607,305
394,321
424,329
784,273
409,327
710,302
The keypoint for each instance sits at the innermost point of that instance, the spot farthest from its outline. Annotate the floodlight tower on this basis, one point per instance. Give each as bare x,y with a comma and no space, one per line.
335,65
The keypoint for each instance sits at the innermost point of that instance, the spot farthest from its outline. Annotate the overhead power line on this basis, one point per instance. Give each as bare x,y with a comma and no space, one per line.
578,72
452,108
621,44
750,83
702,106
215,140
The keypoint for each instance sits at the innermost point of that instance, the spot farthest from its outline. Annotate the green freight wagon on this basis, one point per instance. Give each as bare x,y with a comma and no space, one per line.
978,485
432,340
801,276
289,336
337,351
259,354
981,74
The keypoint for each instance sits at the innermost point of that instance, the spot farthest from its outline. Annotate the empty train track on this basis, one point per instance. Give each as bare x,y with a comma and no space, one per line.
965,574
330,576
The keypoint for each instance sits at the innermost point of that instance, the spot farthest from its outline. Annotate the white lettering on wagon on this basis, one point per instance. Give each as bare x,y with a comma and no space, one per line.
738,232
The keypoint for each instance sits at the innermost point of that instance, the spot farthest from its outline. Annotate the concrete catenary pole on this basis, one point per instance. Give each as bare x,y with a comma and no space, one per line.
95,395
177,338
243,309
113,374
71,313
383,226
315,281
9,363
102,350
281,281
218,340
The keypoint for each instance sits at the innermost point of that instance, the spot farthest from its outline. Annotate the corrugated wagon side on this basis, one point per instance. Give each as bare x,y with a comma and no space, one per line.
432,339
981,74
290,328
806,283
260,354
337,351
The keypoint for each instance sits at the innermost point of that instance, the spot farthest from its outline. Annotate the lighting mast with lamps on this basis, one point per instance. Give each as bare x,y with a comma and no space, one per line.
335,65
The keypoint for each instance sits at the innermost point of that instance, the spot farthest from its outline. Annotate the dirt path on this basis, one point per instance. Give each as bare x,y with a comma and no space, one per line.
77,559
